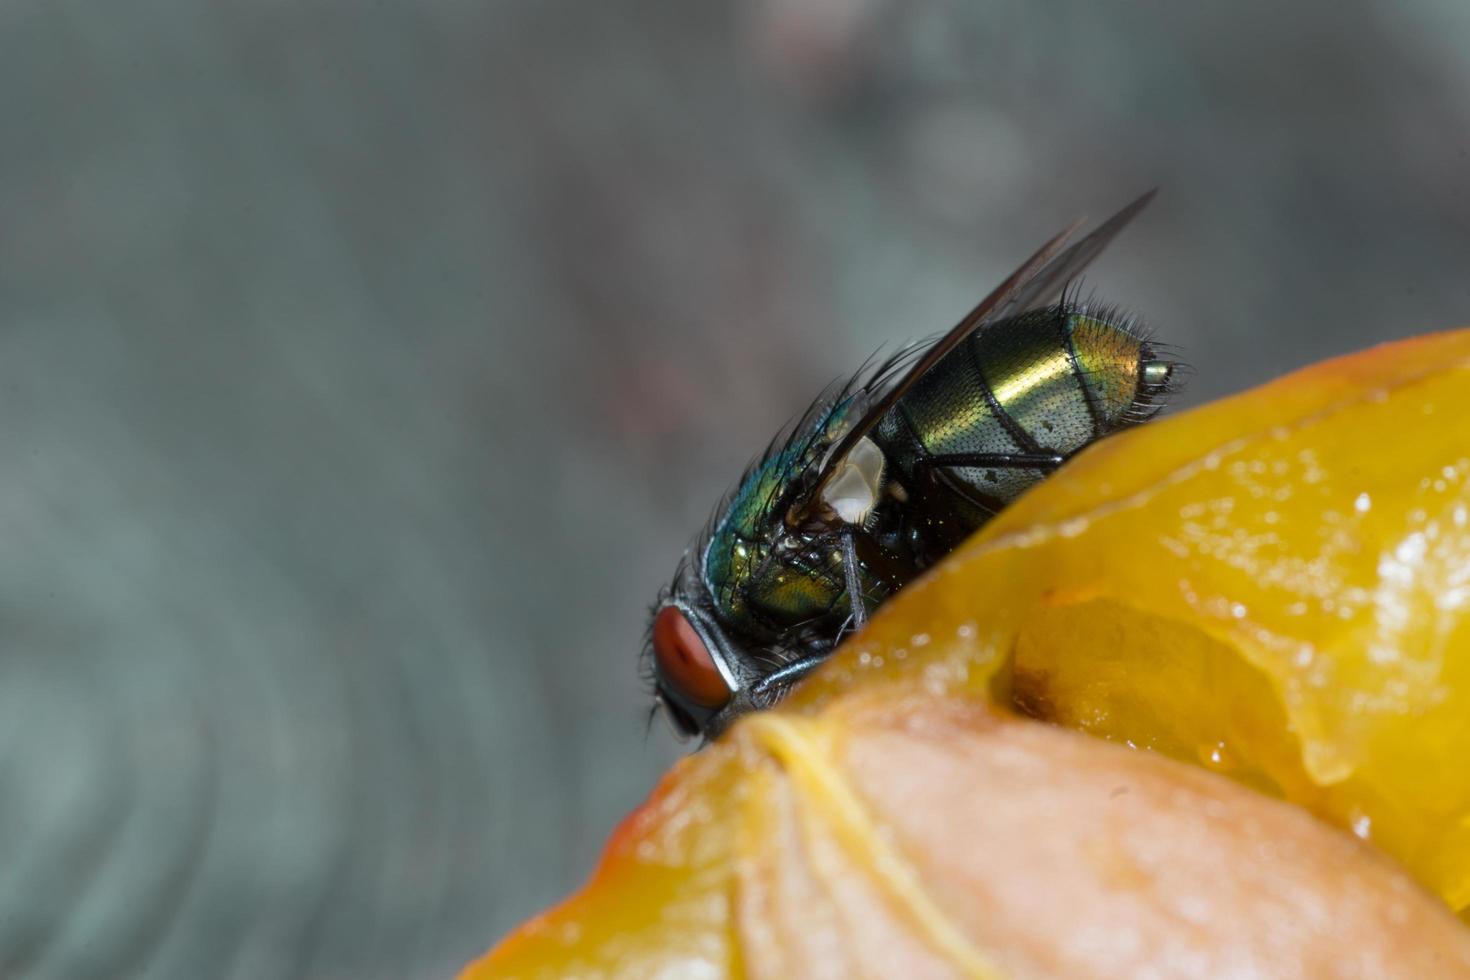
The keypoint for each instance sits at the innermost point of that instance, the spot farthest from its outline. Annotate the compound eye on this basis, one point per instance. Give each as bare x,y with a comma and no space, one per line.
684,662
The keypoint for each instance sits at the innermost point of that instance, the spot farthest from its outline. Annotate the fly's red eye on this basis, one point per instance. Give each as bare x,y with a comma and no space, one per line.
684,662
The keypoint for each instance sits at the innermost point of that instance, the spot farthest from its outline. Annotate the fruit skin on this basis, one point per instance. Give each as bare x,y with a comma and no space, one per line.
935,836
1274,586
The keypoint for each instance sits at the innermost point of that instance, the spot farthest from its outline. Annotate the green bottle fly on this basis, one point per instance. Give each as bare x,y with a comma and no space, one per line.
887,474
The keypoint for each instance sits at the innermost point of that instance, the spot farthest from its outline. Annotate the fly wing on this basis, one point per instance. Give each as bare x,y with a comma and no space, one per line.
1043,287
1037,281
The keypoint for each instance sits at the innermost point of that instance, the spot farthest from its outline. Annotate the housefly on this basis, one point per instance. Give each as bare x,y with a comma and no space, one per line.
886,474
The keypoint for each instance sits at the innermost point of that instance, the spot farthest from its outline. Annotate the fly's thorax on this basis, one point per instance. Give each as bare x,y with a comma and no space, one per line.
763,577
764,589
790,591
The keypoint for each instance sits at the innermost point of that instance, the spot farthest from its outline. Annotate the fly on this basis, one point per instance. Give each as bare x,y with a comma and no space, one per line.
884,475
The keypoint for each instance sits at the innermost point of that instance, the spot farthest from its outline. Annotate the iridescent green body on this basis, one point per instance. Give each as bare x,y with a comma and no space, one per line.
749,582
1046,382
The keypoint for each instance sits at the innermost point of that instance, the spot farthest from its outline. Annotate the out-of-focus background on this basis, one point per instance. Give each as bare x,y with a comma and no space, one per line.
364,368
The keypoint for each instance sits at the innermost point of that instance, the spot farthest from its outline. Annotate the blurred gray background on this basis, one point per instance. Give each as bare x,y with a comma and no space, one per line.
365,367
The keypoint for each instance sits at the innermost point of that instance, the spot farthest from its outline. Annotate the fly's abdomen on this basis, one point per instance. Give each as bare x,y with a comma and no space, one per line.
998,413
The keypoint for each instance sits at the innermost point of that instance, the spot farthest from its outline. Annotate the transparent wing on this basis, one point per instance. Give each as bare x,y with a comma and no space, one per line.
1038,280
1047,284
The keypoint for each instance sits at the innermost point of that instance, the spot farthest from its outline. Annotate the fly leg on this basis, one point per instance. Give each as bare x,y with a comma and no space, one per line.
853,574
769,686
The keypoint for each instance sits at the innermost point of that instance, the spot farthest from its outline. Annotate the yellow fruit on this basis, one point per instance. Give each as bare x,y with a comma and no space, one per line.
1274,587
